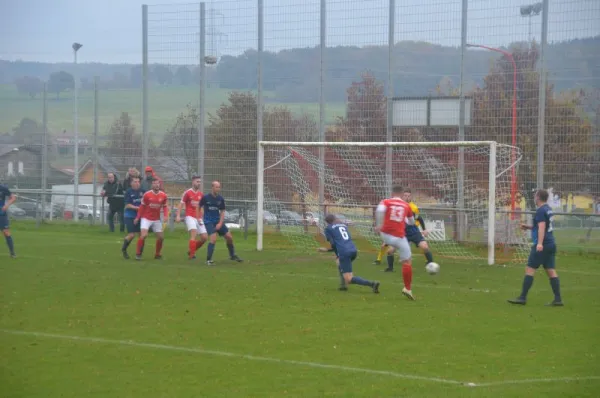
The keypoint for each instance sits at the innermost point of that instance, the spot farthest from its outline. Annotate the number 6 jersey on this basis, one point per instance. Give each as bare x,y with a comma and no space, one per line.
396,212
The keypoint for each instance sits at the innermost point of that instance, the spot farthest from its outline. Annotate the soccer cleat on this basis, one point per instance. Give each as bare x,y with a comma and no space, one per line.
376,262
158,257
13,255
343,288
388,269
138,257
236,258
125,255
190,258
518,300
210,262
376,287
555,303
408,294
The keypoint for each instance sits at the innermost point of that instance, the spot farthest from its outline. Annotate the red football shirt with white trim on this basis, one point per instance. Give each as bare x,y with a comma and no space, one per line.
191,200
153,203
396,213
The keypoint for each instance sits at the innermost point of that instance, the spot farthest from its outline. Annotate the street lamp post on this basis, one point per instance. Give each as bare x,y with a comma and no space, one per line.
513,182
76,47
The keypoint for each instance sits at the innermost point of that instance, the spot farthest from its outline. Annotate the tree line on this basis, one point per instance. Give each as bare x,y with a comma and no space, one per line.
572,145
293,75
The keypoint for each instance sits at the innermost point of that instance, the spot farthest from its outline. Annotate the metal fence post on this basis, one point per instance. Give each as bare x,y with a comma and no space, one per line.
95,148
460,194
145,127
390,95
202,93
323,44
542,100
44,151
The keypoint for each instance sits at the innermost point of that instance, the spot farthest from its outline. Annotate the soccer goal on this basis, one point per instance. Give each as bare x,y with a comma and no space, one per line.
466,192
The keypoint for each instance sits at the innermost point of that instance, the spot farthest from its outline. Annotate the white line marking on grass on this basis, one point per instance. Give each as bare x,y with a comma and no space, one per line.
232,355
535,381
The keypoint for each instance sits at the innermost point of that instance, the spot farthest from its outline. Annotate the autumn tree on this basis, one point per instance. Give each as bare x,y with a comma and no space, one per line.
29,85
29,132
366,112
181,142
124,146
231,141
568,133
59,82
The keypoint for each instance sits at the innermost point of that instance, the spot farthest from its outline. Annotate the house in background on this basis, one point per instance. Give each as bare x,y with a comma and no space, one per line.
64,145
20,165
86,172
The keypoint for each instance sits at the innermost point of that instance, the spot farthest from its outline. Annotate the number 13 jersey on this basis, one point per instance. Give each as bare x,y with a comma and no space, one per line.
396,212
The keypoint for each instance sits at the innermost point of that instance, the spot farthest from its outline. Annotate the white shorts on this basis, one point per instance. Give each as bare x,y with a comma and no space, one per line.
192,223
155,225
400,244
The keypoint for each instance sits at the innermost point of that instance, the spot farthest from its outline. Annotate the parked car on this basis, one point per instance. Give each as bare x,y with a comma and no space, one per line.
312,218
232,216
87,212
31,208
16,212
268,218
287,217
345,219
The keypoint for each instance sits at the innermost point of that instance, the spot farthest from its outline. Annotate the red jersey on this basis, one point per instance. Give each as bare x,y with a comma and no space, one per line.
396,212
191,199
152,204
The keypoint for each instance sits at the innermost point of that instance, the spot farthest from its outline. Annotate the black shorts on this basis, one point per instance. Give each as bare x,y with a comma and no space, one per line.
413,235
132,228
546,258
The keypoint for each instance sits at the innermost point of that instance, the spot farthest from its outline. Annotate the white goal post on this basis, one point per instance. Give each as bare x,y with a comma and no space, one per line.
329,175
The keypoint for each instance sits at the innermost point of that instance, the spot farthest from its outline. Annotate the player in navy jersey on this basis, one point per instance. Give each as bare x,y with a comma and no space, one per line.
341,242
133,200
543,251
6,199
212,207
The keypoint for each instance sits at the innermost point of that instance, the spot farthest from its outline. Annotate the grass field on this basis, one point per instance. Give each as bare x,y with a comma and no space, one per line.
164,104
78,320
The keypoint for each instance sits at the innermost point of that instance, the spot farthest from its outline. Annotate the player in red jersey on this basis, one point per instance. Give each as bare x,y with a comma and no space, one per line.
149,216
195,226
393,215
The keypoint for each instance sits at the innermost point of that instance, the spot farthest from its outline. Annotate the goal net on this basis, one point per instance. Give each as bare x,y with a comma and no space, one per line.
466,193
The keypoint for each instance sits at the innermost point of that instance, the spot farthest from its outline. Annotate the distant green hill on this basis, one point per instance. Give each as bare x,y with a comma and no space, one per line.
290,77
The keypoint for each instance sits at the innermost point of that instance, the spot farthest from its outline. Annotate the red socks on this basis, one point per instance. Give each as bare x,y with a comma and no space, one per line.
140,246
407,275
199,244
192,248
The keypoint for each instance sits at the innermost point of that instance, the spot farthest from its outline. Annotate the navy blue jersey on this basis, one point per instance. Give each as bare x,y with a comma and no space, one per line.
5,194
133,197
543,214
340,239
212,206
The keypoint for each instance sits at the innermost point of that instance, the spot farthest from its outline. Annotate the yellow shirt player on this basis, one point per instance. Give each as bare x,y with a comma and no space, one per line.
413,235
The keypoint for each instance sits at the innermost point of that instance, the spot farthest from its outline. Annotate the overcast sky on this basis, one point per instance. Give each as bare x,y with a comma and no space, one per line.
111,30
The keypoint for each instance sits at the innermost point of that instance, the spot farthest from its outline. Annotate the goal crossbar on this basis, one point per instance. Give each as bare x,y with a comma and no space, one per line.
491,199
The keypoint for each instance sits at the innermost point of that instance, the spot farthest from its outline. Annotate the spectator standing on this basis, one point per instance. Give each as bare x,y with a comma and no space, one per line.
113,192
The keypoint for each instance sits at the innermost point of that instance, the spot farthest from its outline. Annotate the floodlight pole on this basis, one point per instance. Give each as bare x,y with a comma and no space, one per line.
513,174
76,47
530,11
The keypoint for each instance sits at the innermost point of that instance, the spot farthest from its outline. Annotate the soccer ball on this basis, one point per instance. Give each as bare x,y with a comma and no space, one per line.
432,268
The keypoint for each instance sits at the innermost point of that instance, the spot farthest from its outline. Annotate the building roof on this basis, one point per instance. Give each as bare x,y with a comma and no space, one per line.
8,148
